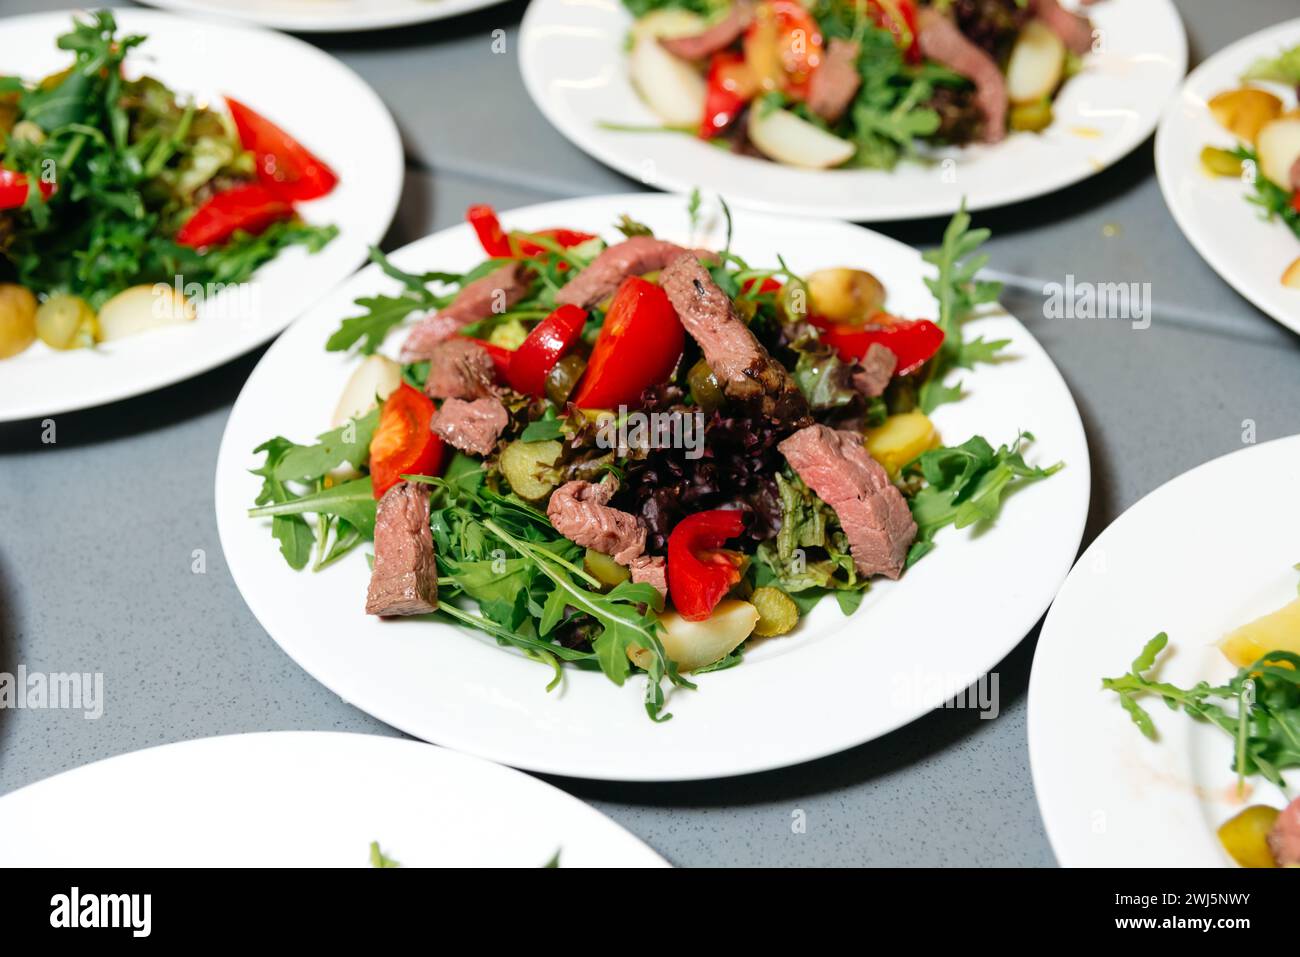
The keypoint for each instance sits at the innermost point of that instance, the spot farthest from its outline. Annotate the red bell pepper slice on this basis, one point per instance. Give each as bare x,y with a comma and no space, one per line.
284,165
564,238
545,346
251,208
769,285
723,100
912,341
14,187
899,18
1295,201
491,236
700,570
638,346
403,444
501,358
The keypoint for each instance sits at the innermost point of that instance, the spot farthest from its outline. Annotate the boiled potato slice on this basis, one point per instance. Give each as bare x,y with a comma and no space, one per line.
1245,837
17,319
1244,112
669,22
845,295
900,439
1276,631
1037,64
1291,277
694,644
1279,147
671,87
786,138
66,322
372,382
142,309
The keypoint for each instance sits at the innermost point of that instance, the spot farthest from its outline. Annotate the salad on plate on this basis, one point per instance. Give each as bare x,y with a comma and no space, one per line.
1258,709
634,455
112,187
1264,116
852,83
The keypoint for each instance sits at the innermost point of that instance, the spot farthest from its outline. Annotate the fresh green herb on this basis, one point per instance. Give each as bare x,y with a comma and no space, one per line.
367,331
547,427
1265,697
1283,68
810,556
379,859
1274,200
958,291
965,485
291,531
354,502
348,444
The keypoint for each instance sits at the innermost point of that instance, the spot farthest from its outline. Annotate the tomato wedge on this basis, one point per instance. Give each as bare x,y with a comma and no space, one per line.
251,208
403,444
638,346
14,187
912,341
546,345
284,165
700,571
725,95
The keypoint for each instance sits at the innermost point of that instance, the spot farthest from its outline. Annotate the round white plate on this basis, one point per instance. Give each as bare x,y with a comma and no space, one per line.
326,16
304,799
1201,555
571,53
834,683
1212,211
207,60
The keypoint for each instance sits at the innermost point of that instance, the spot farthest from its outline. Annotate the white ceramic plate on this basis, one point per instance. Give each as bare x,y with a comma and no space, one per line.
1201,555
304,799
327,16
834,683
573,62
1213,213
208,59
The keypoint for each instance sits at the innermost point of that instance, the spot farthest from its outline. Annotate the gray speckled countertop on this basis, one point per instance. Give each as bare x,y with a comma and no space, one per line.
97,530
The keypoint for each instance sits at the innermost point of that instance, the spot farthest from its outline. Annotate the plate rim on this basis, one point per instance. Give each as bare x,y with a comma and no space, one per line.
562,766
131,18
302,23
864,213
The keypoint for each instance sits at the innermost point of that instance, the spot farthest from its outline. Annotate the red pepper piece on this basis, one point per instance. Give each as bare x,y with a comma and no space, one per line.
549,341
251,208
912,341
284,165
700,571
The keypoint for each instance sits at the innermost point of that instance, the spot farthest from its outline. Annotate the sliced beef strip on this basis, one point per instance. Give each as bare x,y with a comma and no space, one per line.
404,580
580,511
941,41
835,83
459,368
717,37
1074,30
632,257
1284,838
737,358
651,570
495,292
872,512
471,426
875,371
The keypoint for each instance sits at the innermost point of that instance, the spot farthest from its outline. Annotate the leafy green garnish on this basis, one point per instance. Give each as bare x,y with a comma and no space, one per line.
965,485
379,859
1283,68
547,427
366,332
1273,199
810,555
1265,697
348,444
291,531
958,291
354,502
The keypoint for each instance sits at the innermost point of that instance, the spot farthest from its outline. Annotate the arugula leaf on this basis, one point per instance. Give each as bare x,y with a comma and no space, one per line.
354,502
367,331
965,485
958,292
348,444
1274,200
1259,709
291,531
540,430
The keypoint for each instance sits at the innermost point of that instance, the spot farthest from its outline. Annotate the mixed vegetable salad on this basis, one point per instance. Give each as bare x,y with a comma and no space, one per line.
1268,131
117,194
640,456
858,83
1259,709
